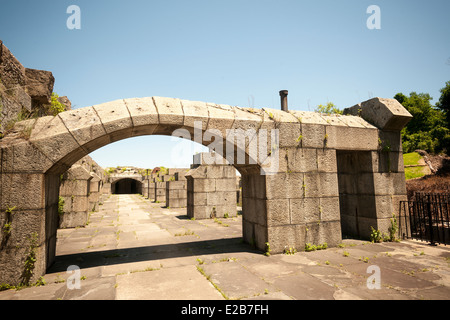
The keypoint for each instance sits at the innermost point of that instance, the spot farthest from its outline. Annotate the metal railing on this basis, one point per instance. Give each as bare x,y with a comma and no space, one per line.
426,218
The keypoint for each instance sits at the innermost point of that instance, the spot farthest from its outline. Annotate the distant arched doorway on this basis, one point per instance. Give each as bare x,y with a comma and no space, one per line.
126,186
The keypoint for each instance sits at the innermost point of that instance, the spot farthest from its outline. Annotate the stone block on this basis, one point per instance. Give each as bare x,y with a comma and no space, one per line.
385,114
143,115
170,111
73,219
199,212
328,232
284,237
74,188
24,156
284,185
246,120
220,119
389,183
85,126
355,138
214,172
254,210
220,211
195,111
278,212
290,134
309,117
254,186
51,137
218,198
301,160
304,210
116,119
226,185
329,209
23,224
391,141
319,185
313,135
326,160
39,84
199,199
20,190
385,162
204,185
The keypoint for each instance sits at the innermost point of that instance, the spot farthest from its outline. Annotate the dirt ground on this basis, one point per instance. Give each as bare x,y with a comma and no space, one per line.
437,182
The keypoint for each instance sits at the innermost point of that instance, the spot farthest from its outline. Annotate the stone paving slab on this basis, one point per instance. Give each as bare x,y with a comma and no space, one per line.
136,249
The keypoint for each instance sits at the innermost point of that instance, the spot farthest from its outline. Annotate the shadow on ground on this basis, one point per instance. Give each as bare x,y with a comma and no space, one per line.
149,253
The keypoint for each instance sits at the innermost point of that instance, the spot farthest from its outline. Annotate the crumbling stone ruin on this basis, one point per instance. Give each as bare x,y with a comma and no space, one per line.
24,92
306,177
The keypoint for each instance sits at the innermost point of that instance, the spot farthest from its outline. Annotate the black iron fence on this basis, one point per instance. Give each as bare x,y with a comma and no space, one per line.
426,217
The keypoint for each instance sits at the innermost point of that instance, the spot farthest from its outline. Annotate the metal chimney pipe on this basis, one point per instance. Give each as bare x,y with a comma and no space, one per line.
284,100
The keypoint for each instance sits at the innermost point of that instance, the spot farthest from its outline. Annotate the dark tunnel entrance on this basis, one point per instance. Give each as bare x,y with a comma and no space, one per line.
126,186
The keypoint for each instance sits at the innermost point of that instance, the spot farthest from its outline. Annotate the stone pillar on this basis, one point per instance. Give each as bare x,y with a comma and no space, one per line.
75,190
145,184
176,194
176,190
160,191
211,191
94,189
379,174
23,228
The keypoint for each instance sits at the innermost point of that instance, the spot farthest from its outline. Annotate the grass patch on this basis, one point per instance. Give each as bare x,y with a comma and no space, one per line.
414,172
411,159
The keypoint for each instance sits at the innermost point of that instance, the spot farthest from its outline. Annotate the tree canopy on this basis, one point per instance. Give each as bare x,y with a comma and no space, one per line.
429,129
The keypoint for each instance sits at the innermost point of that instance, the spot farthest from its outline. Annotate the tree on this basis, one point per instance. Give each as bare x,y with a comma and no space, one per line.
330,108
428,129
444,101
444,105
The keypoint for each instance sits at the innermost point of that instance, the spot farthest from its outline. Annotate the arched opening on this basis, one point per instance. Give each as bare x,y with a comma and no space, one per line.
126,186
253,183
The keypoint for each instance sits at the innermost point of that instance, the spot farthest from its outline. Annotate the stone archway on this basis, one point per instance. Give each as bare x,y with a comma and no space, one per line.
287,204
126,186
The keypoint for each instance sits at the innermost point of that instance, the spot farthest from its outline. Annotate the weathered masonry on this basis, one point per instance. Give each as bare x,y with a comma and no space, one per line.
334,172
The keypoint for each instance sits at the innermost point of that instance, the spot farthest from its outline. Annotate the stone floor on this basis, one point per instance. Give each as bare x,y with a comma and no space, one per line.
136,249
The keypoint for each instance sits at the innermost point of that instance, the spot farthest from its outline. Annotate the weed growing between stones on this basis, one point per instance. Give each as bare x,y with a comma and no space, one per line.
311,247
30,260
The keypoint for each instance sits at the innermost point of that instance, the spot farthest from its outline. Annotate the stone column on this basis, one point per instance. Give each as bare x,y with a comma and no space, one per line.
176,194
211,190
94,188
380,173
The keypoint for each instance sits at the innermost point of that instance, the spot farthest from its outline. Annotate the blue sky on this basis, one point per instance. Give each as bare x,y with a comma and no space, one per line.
231,52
